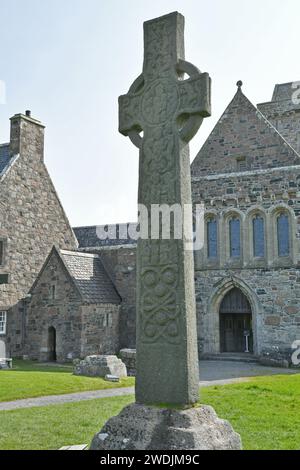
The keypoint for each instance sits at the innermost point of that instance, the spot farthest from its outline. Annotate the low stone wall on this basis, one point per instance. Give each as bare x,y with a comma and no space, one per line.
128,356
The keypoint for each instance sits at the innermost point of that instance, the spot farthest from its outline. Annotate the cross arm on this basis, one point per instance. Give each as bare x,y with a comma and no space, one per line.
129,113
195,95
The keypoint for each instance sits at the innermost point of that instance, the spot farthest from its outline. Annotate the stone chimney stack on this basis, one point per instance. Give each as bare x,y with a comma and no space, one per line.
27,136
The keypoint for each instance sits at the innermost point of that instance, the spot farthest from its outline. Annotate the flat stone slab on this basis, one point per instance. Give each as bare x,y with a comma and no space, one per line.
100,366
76,447
140,427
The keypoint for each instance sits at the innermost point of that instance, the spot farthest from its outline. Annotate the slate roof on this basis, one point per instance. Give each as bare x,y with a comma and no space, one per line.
4,157
90,277
88,237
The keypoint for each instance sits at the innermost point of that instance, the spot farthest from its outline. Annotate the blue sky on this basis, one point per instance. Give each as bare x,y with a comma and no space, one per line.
69,60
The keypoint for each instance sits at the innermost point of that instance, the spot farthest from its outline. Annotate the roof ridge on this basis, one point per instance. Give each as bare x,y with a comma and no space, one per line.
79,253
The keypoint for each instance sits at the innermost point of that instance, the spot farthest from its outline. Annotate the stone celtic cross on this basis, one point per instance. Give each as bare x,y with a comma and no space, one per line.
160,114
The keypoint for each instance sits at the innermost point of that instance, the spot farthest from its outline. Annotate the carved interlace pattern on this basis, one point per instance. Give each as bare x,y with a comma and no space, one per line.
153,105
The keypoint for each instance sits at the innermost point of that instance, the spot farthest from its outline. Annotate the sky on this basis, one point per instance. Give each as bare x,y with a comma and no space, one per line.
69,60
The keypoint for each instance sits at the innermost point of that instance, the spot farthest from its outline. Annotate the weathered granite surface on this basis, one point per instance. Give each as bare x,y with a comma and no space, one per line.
32,221
128,356
100,366
84,309
140,427
155,104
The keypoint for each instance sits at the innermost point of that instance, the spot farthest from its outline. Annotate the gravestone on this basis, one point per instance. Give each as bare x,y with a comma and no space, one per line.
168,111
2,349
5,363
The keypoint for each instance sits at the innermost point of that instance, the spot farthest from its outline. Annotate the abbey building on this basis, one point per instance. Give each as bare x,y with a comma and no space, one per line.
65,293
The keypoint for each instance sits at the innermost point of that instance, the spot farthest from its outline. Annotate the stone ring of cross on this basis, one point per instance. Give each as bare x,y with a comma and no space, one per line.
188,123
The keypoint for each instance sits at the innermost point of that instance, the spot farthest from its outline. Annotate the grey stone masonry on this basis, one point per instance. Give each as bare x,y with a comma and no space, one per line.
243,139
166,321
283,111
74,296
100,366
32,221
128,356
139,427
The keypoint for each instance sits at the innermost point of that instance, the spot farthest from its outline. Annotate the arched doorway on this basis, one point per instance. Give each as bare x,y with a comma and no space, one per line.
235,323
51,344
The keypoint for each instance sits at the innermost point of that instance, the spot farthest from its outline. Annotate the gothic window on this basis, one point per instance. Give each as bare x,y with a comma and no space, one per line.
212,238
2,323
235,237
258,237
283,235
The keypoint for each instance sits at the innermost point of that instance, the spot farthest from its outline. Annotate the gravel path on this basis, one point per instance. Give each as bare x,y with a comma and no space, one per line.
212,373
67,398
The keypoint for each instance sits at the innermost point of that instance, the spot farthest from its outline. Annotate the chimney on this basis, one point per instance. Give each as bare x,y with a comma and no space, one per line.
27,137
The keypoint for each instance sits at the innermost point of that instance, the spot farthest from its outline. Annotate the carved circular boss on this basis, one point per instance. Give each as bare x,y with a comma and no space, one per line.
161,101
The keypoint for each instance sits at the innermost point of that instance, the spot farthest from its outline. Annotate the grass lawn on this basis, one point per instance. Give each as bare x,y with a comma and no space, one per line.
265,411
29,379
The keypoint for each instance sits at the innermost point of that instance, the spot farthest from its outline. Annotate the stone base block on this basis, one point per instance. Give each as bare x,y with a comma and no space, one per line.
140,427
5,363
128,356
100,366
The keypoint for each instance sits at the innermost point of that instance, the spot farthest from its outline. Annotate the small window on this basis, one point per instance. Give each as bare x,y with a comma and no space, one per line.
53,292
3,278
235,237
212,238
283,235
241,164
2,323
107,320
258,237
1,252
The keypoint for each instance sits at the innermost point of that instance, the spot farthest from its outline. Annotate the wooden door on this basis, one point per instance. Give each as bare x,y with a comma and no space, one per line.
235,322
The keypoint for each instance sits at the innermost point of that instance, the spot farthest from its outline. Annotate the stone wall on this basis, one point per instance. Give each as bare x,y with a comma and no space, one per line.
81,329
62,312
32,221
120,263
284,112
243,139
100,329
274,296
271,283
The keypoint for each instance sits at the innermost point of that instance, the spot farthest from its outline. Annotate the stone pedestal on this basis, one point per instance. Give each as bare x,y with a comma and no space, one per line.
100,366
140,427
128,356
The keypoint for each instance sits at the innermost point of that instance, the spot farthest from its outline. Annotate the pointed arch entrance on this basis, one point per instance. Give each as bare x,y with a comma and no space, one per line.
51,344
235,315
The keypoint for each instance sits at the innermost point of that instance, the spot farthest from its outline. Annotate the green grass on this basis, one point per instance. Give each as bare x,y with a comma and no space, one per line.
55,426
265,411
29,379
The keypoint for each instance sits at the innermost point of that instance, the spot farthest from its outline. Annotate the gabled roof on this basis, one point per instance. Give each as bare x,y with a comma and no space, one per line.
243,132
88,275
88,237
5,158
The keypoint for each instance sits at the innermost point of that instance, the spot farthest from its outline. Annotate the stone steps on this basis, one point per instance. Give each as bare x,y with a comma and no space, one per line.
249,358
